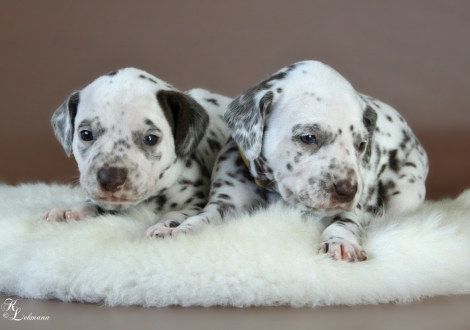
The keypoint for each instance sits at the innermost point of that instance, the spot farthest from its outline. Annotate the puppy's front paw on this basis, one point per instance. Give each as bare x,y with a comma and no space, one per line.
57,214
162,229
340,249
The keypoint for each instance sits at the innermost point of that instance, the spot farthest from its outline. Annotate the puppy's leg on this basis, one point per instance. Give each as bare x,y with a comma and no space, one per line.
76,212
186,199
233,191
341,238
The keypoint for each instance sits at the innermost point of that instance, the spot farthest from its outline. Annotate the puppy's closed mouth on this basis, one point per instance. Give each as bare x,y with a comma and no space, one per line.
114,199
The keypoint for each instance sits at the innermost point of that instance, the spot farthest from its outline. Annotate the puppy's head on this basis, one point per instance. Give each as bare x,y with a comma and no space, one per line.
131,134
307,135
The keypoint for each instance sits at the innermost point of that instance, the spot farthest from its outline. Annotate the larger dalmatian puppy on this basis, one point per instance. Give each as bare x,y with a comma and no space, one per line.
138,140
307,137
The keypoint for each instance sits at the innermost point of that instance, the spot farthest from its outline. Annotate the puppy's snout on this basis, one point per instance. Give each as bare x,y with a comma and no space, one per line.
112,178
345,190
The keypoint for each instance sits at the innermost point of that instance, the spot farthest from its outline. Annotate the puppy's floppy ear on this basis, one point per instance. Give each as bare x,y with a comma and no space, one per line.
245,117
63,121
187,119
370,120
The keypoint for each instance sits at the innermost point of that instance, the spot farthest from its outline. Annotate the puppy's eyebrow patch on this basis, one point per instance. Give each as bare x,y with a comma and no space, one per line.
85,123
305,129
151,124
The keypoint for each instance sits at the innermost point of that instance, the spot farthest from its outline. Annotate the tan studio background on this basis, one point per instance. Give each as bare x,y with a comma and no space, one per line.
414,55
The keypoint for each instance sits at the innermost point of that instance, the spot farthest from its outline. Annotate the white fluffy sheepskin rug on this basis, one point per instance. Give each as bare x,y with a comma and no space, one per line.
265,259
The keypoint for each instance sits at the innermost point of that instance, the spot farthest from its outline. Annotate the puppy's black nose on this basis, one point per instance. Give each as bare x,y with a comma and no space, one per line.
345,190
111,178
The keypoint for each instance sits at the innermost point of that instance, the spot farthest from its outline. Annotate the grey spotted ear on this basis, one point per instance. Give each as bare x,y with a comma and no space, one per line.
245,117
187,119
370,121
63,121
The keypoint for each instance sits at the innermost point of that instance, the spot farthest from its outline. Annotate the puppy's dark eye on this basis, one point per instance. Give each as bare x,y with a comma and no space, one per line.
86,135
362,146
308,139
150,140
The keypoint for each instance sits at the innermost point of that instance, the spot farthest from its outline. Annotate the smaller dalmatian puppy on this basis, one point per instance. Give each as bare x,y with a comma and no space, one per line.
307,137
138,140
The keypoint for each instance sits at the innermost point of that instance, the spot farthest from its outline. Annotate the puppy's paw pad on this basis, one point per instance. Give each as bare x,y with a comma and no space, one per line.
341,249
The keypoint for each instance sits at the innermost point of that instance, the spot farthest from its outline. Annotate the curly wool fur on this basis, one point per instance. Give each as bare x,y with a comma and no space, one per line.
265,259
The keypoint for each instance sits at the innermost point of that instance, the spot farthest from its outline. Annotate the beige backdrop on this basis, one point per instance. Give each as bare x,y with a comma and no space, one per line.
412,54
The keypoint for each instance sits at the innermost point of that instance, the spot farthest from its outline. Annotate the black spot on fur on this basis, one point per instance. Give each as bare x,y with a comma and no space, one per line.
384,192
382,169
214,145
213,101
112,73
200,195
160,200
223,196
148,78
393,161
223,208
173,224
406,140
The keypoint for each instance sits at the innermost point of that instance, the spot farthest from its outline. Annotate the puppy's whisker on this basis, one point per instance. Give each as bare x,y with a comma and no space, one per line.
75,180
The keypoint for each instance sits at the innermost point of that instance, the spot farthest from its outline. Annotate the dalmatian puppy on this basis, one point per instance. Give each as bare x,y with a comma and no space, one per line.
305,136
139,140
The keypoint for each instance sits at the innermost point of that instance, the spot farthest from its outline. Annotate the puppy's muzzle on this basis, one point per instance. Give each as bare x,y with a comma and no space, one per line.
112,179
